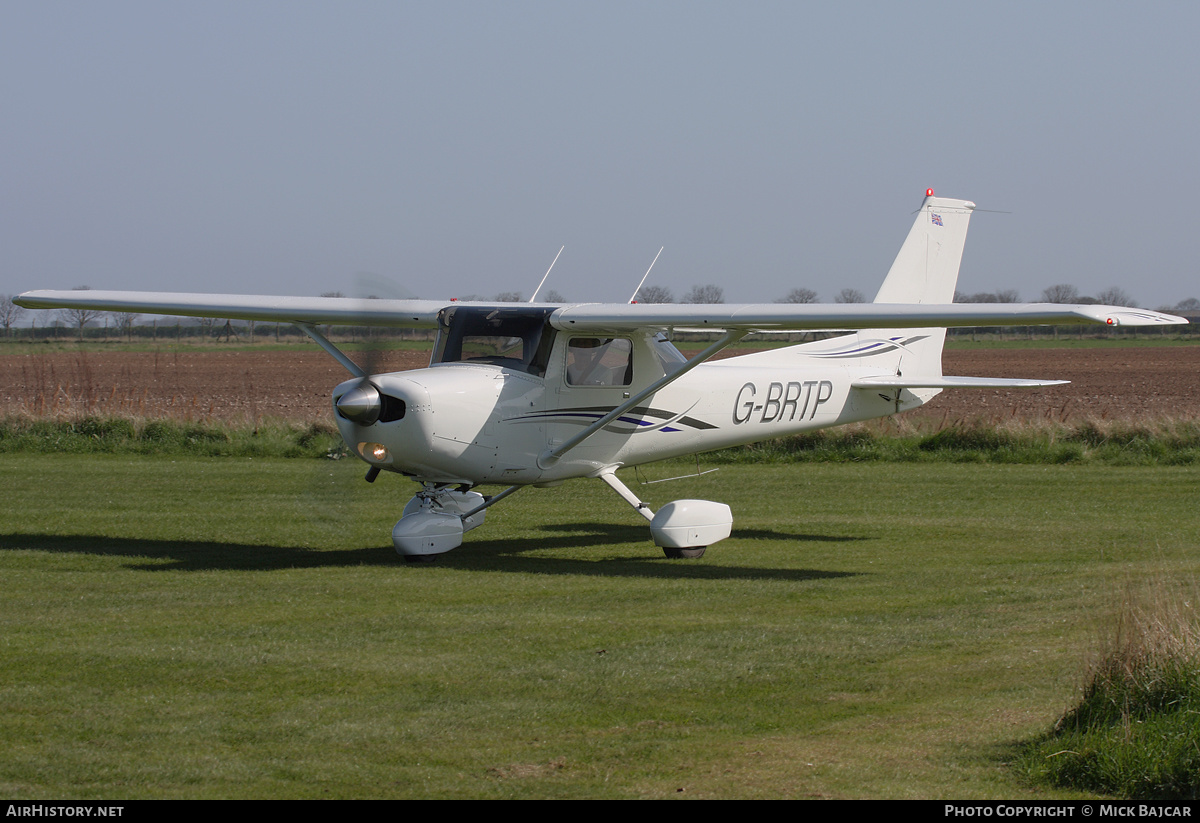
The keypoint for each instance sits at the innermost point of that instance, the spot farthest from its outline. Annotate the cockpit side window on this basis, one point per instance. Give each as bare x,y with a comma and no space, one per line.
516,338
599,361
669,357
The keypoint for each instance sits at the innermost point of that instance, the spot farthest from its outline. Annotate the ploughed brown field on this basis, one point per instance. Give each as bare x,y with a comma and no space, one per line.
1116,384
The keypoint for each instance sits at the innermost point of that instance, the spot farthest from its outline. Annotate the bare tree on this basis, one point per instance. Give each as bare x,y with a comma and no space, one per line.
79,317
1190,304
1114,296
800,295
10,313
1061,293
553,296
208,326
849,296
508,297
705,294
124,321
654,294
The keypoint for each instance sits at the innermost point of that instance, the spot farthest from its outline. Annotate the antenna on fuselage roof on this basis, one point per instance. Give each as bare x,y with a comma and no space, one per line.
633,297
544,276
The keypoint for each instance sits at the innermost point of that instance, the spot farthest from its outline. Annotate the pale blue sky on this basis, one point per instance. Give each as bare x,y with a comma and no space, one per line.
452,147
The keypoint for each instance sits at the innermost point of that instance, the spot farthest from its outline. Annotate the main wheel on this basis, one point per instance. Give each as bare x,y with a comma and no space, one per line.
692,553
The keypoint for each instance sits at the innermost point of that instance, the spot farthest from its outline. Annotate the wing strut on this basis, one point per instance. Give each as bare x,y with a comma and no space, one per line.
550,456
334,352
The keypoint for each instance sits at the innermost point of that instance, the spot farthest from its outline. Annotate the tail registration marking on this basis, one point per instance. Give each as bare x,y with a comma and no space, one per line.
780,398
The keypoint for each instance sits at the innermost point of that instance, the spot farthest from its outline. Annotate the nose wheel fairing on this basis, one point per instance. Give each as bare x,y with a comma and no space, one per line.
435,520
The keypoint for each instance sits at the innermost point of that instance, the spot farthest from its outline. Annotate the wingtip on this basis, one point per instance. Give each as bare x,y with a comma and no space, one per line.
1115,316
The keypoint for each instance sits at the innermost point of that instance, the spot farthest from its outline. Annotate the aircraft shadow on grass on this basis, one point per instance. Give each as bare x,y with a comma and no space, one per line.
486,555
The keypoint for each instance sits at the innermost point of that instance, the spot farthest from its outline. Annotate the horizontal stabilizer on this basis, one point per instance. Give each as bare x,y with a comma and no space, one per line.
895,381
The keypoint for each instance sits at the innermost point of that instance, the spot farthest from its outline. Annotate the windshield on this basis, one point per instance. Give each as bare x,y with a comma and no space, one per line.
512,338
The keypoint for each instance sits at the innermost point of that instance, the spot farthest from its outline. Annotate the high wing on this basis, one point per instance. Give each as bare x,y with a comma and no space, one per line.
604,317
820,316
324,310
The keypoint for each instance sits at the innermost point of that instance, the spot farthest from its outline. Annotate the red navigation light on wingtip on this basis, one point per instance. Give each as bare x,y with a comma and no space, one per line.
929,192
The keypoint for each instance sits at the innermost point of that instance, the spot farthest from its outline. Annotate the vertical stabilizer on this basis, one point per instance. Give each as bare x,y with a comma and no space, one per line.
926,269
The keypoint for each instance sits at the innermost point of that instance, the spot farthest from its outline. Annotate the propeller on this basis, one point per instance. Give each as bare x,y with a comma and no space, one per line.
371,286
365,404
332,499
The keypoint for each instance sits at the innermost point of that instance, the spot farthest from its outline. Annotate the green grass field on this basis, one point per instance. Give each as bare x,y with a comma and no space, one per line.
228,627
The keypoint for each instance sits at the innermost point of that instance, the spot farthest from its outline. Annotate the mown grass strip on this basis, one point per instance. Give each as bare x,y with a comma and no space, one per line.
198,627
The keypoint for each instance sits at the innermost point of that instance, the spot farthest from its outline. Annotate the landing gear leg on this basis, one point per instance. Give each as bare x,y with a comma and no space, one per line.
684,528
609,476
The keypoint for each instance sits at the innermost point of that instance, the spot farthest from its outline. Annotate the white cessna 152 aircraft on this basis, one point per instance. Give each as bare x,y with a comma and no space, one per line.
535,394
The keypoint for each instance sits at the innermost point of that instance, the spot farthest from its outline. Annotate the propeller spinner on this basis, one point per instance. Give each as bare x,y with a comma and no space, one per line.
362,404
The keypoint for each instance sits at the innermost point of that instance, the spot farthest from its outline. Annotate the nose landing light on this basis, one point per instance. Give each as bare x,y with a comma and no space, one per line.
374,452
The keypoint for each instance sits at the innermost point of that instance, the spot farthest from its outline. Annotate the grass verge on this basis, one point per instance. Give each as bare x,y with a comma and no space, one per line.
1158,443
1135,730
1165,442
118,435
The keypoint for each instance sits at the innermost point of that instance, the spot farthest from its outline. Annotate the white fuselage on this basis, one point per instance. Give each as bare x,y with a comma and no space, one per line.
468,423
